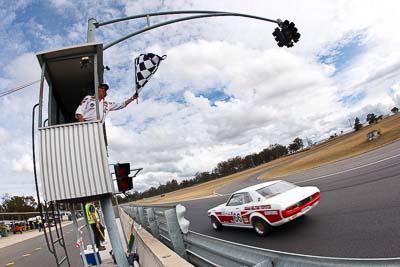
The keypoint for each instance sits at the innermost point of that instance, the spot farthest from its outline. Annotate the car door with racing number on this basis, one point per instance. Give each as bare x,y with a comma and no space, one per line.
234,207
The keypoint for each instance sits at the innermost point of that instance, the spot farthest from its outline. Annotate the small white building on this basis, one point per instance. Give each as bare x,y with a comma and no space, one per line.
373,135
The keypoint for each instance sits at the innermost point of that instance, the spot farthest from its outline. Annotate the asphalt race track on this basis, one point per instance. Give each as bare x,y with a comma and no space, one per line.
358,215
34,253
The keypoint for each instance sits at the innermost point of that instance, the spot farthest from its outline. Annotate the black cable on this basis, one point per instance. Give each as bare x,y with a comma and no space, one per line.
17,88
34,160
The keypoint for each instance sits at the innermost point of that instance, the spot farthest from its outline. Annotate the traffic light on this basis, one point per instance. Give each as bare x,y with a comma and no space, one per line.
280,39
286,34
122,171
293,32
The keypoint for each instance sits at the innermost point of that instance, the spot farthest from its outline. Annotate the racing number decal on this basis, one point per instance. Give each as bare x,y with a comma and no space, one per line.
237,217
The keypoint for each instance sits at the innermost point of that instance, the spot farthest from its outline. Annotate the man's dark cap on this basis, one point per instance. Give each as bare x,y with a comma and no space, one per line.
104,85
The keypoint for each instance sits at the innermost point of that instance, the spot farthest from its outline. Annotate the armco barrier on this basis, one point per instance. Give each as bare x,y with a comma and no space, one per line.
152,253
167,223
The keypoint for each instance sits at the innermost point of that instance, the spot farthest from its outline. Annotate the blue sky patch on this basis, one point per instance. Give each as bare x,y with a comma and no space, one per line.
38,27
177,97
344,52
353,99
215,95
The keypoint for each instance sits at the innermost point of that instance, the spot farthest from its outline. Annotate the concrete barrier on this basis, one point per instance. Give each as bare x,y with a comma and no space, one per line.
151,251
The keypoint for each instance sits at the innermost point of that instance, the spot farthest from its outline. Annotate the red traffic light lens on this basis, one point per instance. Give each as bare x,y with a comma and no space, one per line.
122,169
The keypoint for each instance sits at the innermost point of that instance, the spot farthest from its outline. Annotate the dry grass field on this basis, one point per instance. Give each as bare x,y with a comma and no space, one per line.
338,148
342,147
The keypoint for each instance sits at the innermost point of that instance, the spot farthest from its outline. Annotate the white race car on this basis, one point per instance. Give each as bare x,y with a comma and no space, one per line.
264,205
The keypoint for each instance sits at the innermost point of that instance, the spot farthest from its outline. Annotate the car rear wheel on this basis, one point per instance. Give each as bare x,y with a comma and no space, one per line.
261,227
216,225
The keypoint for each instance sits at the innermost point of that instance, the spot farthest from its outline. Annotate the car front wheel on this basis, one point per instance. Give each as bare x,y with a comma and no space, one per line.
260,226
216,225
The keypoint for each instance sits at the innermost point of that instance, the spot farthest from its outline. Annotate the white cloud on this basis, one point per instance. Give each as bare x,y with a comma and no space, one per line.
62,4
4,136
25,64
396,94
23,164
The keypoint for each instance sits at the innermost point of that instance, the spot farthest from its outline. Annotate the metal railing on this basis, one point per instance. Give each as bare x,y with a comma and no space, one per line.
167,224
162,223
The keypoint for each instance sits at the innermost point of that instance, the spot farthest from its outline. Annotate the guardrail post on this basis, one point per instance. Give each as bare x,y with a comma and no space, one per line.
141,216
151,218
175,233
131,212
180,214
127,210
136,214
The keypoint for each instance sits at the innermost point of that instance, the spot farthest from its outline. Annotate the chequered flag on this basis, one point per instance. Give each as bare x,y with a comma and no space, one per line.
145,66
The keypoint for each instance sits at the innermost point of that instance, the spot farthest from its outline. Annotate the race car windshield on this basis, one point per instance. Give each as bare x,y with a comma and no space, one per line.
275,189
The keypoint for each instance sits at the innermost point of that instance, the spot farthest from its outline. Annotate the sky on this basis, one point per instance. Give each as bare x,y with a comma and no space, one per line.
226,89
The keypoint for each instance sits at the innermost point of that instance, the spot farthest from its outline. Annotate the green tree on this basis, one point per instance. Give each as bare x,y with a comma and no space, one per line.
171,185
357,124
299,142
296,145
20,204
3,198
293,147
278,150
371,118
395,110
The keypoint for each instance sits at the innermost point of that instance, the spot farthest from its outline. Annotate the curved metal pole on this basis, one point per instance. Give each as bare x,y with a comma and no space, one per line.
184,19
98,24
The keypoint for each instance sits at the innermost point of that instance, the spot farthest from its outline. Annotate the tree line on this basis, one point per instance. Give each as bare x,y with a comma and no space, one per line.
17,204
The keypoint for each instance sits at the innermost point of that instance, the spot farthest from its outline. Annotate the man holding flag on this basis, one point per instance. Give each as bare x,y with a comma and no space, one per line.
87,109
145,67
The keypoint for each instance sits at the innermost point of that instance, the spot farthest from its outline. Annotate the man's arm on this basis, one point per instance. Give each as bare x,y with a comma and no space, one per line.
117,106
81,109
129,100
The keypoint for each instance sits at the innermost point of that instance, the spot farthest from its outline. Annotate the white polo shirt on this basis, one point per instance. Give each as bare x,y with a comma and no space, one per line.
87,108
